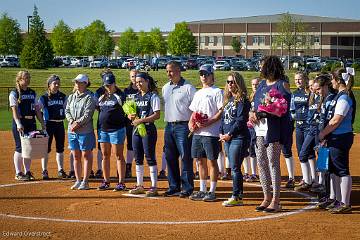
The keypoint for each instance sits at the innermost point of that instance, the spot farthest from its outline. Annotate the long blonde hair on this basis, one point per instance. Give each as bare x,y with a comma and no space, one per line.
19,76
241,90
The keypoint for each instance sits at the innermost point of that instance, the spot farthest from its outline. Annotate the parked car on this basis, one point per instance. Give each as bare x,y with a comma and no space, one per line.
99,63
191,64
221,65
114,63
238,66
66,61
13,61
4,62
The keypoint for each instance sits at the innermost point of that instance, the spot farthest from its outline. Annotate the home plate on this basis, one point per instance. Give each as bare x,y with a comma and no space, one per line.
138,196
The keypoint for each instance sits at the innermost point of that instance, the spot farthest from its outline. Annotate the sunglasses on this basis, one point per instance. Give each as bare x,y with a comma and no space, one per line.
230,82
203,73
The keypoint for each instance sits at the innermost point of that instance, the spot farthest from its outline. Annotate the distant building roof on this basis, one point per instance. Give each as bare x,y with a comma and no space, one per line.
273,18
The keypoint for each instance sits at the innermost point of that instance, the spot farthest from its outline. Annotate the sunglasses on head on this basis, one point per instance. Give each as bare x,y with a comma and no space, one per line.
230,82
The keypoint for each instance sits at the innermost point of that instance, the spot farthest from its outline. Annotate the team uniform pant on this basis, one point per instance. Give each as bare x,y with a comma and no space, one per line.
145,145
56,130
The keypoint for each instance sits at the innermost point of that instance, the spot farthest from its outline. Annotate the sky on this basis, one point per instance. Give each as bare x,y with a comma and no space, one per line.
146,14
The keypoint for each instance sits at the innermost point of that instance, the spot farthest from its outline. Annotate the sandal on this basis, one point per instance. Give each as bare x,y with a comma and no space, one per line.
262,207
275,209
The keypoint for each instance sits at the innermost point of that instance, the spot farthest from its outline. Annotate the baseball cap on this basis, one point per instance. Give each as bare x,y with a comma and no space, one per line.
108,78
206,68
81,78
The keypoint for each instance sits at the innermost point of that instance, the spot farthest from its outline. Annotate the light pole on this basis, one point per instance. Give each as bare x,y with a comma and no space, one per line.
28,22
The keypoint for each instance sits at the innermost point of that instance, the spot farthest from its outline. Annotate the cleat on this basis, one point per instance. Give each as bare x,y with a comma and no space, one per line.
162,175
290,183
62,174
104,186
152,192
99,174
92,174
29,176
137,190
45,175
19,176
120,187
71,175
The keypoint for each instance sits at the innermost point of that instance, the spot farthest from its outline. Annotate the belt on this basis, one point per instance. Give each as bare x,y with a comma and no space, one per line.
178,122
53,120
28,117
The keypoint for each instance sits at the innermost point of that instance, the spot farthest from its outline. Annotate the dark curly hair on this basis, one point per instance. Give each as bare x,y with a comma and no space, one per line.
272,68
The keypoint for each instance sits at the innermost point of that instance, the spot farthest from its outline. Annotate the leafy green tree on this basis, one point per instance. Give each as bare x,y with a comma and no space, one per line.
96,40
291,34
181,41
62,39
158,42
236,45
10,37
128,43
79,39
37,51
145,43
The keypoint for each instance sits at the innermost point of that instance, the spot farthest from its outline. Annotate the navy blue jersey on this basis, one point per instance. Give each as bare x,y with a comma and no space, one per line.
53,106
313,116
100,91
324,111
130,92
143,104
300,104
112,116
234,119
26,105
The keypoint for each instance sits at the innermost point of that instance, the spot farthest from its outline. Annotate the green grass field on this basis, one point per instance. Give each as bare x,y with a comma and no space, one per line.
38,83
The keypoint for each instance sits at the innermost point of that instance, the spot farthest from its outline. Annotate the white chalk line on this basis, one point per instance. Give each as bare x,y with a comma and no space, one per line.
270,216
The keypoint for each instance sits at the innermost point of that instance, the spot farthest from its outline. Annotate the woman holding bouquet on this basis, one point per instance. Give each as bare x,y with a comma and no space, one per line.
147,111
234,132
276,133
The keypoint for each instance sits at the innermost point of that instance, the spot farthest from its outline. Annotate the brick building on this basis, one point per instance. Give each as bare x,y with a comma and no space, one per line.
329,37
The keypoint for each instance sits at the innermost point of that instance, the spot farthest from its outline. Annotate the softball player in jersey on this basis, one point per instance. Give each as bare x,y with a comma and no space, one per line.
53,105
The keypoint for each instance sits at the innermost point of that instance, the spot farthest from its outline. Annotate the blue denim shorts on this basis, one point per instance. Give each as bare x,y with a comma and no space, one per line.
205,147
81,141
116,137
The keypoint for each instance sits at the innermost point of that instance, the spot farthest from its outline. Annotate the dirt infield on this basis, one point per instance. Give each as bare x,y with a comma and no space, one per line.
50,210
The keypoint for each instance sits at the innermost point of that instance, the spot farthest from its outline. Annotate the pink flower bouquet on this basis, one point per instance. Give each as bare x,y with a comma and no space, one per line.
274,103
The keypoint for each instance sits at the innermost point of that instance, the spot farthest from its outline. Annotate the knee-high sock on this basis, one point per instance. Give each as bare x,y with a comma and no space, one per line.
246,164
253,165
18,162
60,160
227,163
322,178
290,166
129,156
153,175
220,162
44,162
163,162
140,175
99,159
27,164
345,186
313,170
335,191
305,169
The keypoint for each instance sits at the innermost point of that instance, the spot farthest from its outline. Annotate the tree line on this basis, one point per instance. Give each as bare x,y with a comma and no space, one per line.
37,49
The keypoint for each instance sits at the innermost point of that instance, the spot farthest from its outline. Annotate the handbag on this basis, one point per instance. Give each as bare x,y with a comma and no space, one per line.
322,163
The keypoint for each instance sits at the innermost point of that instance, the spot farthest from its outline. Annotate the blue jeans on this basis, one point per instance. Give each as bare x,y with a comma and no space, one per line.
178,144
235,149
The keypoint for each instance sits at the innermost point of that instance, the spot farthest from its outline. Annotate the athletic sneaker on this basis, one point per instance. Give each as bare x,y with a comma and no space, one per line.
324,203
152,192
137,190
120,187
171,193
341,209
62,174
334,204
233,201
209,197
253,178
84,185
76,185
290,183
246,177
99,174
19,176
303,188
29,176
92,174
197,196
162,175
104,186
45,175
317,188
71,174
